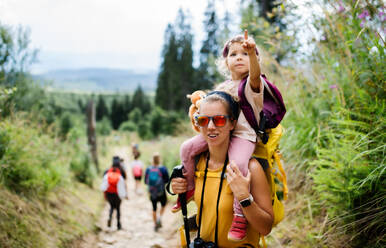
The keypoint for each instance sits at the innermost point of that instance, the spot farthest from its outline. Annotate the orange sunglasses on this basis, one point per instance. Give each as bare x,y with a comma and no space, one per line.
218,120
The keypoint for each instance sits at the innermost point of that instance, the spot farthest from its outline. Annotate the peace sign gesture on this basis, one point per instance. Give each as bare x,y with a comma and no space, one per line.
248,44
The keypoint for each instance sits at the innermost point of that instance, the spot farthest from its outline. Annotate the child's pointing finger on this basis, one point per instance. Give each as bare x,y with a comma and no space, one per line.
245,34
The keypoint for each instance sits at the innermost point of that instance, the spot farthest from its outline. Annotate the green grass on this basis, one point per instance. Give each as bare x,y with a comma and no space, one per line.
64,216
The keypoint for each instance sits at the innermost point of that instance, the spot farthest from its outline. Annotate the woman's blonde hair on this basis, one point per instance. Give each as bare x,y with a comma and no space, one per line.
221,62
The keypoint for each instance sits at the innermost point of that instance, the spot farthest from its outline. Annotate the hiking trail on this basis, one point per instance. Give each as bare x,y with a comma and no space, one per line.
136,219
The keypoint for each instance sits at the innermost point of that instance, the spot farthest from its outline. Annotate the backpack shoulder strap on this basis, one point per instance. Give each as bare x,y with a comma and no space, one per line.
249,114
266,87
112,169
245,106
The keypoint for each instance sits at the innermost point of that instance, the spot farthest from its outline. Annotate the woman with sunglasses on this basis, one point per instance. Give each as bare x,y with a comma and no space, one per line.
214,195
240,57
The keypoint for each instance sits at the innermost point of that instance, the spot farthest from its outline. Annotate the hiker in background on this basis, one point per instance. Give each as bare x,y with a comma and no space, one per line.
123,165
114,188
156,176
214,195
137,168
134,148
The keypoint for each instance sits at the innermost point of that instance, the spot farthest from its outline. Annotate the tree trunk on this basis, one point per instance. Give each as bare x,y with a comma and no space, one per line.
91,133
265,7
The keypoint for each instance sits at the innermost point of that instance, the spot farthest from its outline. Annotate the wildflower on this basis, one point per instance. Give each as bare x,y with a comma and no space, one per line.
364,14
333,86
374,50
341,7
381,16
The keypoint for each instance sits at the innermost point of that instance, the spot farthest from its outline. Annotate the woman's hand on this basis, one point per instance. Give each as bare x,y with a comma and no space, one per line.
249,44
237,182
179,185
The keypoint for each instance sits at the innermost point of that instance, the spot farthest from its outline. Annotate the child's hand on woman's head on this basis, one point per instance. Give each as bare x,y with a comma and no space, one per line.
237,182
248,44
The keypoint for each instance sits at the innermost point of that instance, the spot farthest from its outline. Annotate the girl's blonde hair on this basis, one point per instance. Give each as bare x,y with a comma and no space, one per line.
221,62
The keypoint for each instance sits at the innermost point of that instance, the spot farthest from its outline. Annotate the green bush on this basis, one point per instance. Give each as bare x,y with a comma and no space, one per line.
170,153
6,103
83,169
336,121
4,142
104,127
29,161
157,120
135,115
128,126
65,124
144,130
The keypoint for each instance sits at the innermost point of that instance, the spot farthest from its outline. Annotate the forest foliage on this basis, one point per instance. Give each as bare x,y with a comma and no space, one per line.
335,96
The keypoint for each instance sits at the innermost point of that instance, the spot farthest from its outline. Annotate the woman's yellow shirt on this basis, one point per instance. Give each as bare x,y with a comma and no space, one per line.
225,215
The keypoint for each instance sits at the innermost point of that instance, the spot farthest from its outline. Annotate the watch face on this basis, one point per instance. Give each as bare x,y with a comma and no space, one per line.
245,203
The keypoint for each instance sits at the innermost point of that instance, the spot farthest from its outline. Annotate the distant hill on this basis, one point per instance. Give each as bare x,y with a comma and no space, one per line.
99,80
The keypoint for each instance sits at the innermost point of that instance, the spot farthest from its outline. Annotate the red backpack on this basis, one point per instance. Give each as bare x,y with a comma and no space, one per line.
113,175
137,170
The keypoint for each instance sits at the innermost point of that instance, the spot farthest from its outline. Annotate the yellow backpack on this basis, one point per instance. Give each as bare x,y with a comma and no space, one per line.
269,156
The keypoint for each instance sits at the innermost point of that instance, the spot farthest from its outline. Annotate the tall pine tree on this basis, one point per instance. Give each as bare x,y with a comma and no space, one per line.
117,113
177,75
207,72
126,107
165,76
101,108
185,69
140,101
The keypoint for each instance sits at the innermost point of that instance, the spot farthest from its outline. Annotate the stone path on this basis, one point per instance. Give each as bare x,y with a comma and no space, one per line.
137,223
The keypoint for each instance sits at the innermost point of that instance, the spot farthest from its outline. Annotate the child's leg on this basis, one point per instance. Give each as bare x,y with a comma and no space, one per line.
189,149
240,151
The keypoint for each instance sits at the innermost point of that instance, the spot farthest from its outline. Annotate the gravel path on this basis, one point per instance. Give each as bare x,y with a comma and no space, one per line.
137,224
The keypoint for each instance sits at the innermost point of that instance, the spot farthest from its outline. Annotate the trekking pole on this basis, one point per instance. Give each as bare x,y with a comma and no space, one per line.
178,172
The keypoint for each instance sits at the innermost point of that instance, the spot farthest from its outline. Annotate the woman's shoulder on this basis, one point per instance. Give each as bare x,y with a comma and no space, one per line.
255,167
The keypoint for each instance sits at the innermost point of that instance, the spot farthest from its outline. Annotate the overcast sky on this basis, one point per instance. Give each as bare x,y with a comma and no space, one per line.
122,34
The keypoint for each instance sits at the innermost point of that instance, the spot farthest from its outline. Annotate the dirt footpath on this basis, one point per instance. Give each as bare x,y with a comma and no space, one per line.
137,223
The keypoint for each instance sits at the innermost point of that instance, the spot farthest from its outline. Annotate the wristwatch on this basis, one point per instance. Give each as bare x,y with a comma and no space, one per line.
247,201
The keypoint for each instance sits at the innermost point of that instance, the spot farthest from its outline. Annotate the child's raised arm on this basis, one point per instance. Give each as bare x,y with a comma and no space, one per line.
249,46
